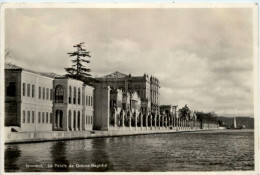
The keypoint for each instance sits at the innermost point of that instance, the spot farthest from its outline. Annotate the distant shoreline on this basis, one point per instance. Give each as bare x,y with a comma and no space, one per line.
224,130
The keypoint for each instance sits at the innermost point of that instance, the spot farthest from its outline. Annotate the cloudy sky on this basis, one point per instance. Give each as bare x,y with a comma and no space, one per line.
203,57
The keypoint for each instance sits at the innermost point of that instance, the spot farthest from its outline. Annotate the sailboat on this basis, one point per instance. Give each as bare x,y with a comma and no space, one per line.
235,123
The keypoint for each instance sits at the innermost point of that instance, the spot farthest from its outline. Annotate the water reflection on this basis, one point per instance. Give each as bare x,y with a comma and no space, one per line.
12,154
99,155
58,153
158,152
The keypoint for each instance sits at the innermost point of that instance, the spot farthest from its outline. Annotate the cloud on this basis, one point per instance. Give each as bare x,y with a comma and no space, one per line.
202,57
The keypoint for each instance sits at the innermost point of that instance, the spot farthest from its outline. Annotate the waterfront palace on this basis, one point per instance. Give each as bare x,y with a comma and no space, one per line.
37,102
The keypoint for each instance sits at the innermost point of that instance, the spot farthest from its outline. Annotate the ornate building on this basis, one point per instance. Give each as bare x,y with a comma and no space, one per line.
147,88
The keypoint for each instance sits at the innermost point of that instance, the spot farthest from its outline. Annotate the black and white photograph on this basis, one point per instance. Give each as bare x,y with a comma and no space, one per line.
128,87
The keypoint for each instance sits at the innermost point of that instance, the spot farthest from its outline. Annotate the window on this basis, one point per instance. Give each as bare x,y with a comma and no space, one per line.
39,117
28,90
23,89
40,92
28,117
33,87
91,120
32,116
74,96
59,94
47,117
89,100
70,95
43,93
42,117
51,118
11,89
47,94
79,96
86,100
86,119
51,94
23,116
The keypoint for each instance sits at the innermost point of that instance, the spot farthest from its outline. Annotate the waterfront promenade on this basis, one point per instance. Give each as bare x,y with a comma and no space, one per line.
23,137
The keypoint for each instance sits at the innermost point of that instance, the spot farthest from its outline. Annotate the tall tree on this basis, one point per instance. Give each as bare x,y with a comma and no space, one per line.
78,70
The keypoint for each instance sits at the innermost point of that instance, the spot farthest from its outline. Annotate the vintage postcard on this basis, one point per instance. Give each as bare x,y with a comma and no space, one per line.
129,87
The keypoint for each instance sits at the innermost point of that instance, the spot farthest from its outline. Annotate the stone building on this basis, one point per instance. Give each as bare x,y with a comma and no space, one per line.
73,105
28,100
147,88
40,102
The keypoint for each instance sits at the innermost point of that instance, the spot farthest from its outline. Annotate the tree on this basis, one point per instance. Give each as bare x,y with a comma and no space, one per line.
185,112
78,70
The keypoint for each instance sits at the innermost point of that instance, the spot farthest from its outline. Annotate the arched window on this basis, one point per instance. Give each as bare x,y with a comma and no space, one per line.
70,128
70,92
59,94
61,119
79,96
74,95
74,120
78,120
56,118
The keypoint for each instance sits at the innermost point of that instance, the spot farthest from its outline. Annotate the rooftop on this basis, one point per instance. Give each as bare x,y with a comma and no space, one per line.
47,74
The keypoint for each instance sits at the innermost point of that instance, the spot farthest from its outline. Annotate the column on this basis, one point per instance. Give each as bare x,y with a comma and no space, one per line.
115,117
155,119
136,120
159,117
58,121
67,122
141,116
174,124
76,121
166,122
130,120
180,124
172,121
146,120
72,122
123,118
151,120
162,121
80,122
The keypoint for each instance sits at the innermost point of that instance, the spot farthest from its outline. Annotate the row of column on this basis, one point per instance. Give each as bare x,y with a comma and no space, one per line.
168,121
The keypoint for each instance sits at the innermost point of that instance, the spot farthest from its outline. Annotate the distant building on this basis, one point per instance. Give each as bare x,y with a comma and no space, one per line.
147,88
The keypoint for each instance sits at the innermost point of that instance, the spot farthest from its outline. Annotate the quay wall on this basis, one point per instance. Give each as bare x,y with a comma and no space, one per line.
23,137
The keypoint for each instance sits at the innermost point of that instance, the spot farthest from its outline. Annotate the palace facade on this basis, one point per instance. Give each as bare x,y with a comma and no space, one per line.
40,102
147,88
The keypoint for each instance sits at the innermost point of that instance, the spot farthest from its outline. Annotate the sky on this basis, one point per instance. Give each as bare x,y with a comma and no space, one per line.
203,57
